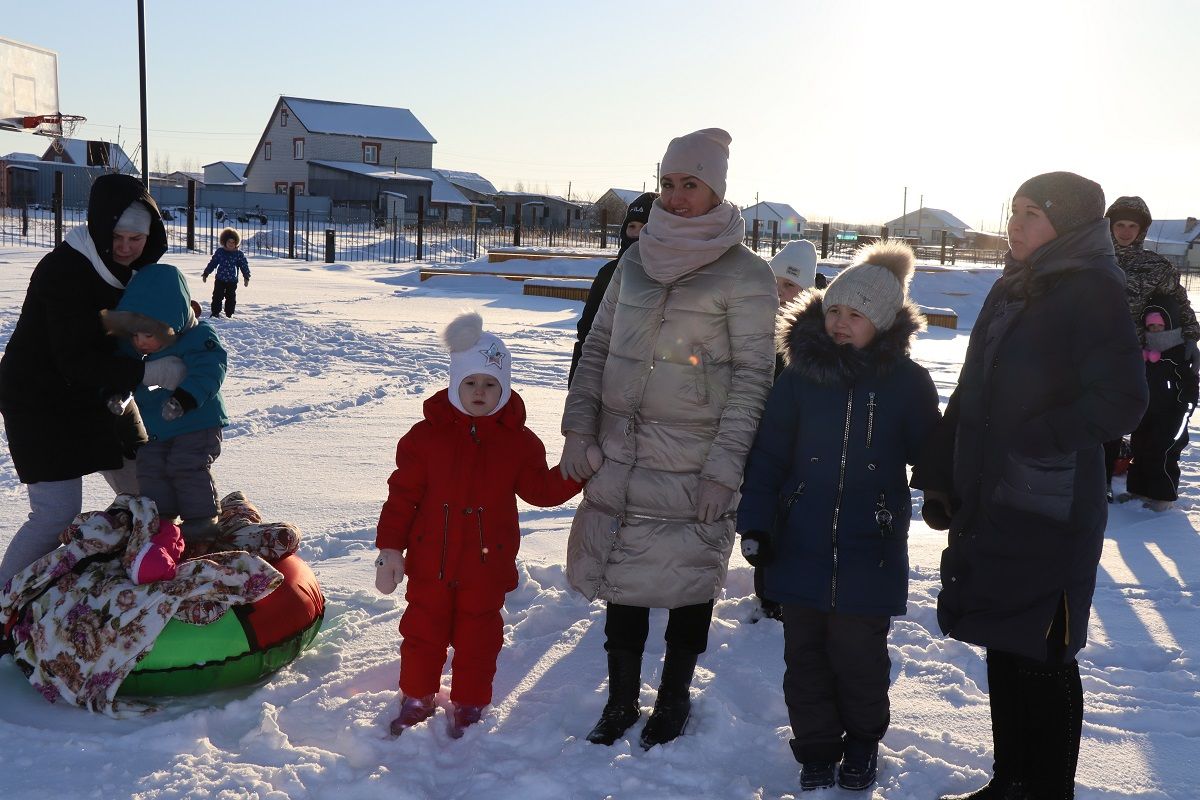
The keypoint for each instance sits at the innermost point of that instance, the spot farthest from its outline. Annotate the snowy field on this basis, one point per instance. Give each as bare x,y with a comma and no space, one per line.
329,365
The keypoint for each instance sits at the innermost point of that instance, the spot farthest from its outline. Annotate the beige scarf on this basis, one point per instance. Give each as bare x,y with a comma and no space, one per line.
672,246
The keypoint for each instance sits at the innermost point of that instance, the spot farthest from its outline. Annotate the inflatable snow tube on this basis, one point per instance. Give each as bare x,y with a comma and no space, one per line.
246,644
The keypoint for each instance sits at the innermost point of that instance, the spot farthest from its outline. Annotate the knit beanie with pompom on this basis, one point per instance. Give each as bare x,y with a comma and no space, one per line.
473,352
875,284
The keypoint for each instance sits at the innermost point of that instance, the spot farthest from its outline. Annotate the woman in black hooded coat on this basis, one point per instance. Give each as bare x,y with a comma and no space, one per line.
1052,371
59,367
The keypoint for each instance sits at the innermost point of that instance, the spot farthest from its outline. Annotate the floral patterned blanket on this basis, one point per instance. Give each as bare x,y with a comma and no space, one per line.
79,624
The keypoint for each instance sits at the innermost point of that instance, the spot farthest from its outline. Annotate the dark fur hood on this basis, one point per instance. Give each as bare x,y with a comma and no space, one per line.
800,337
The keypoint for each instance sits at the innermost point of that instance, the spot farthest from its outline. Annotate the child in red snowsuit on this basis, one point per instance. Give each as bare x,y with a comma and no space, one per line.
450,524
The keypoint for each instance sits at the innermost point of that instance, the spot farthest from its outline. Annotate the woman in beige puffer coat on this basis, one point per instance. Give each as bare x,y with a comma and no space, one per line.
672,381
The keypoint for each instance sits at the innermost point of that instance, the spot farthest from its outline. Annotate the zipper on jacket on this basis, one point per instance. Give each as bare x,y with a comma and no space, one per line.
445,539
837,506
870,417
479,523
474,434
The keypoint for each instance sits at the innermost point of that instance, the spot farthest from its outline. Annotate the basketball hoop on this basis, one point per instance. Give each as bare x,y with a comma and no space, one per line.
56,126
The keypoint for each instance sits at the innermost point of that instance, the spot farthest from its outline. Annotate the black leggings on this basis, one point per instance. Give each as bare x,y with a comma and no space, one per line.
627,627
226,290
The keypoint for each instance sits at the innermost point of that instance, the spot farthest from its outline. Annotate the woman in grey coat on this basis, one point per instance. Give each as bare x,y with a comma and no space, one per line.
672,381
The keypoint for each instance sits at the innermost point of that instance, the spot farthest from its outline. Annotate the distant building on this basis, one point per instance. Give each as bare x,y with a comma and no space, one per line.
927,224
225,173
1177,239
476,188
91,153
347,151
538,210
791,224
615,204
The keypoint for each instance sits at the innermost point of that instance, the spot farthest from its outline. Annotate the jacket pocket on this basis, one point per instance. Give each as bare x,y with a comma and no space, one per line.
1038,485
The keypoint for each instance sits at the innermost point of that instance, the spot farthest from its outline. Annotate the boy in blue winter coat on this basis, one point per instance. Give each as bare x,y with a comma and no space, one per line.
227,260
825,505
174,468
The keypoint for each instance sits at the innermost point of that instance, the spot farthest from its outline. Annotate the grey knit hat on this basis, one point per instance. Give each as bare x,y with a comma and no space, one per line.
1068,200
875,284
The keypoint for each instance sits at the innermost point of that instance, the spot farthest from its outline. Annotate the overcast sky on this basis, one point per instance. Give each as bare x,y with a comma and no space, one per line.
834,107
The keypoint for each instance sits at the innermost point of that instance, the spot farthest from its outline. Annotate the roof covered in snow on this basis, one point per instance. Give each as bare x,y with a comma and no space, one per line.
354,119
626,196
75,152
441,190
769,211
1174,230
928,216
468,180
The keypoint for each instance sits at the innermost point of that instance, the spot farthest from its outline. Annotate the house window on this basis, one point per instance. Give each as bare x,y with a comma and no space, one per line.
283,117
281,187
298,149
267,151
370,152
545,211
299,188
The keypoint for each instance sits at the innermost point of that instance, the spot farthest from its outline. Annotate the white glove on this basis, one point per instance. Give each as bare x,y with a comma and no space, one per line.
575,463
167,372
389,570
712,500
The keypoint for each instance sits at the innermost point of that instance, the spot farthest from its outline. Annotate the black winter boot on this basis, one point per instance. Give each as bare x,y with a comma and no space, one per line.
1052,728
624,688
674,703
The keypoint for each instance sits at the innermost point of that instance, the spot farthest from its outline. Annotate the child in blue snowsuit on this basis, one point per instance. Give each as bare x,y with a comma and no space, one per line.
227,260
155,317
825,505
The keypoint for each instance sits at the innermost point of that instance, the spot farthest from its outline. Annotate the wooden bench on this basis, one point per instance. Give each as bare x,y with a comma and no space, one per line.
428,272
940,317
496,256
579,293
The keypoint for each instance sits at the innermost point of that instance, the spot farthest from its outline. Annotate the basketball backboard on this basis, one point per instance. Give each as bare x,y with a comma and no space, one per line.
28,82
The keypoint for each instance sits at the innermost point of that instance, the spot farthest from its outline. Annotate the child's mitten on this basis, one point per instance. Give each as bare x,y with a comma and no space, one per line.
389,570
756,548
172,409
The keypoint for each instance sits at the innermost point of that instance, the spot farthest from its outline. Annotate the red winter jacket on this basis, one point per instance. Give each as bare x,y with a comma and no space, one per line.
452,499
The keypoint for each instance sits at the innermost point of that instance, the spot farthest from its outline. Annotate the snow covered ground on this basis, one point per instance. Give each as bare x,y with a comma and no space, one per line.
329,365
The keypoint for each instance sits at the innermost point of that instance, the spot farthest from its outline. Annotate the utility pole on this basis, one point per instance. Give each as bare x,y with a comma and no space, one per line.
657,174
142,65
568,191
903,214
920,218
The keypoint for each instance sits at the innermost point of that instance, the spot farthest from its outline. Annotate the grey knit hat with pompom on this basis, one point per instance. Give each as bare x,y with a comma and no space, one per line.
875,284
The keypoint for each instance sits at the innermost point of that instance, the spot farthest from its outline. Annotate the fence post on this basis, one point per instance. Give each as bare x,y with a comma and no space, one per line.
883,237
754,235
943,261
24,220
420,227
292,221
604,229
774,236
517,225
474,233
825,240
330,242
57,202
191,212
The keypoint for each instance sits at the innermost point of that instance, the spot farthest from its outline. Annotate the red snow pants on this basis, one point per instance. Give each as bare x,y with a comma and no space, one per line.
439,616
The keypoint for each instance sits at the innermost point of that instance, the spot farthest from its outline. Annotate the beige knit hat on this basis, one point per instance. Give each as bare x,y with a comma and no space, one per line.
704,154
875,284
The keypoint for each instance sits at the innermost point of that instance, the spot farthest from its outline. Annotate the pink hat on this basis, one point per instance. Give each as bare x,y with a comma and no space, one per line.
703,154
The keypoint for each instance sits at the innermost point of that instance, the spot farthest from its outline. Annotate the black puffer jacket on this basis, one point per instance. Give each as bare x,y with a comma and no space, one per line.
59,367
840,426
1148,273
1053,370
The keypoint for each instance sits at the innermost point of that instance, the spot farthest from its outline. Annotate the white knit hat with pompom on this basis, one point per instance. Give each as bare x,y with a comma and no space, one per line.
473,352
876,284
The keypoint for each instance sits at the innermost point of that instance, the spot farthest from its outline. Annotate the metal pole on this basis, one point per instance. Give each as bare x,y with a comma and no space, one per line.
142,68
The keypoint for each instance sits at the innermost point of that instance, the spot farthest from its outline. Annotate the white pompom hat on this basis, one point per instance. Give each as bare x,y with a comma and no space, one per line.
473,352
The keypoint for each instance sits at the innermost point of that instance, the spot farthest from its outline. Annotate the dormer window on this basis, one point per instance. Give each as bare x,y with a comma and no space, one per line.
370,152
283,117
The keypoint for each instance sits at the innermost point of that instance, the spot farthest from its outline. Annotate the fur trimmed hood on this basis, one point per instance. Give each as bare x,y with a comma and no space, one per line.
801,339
